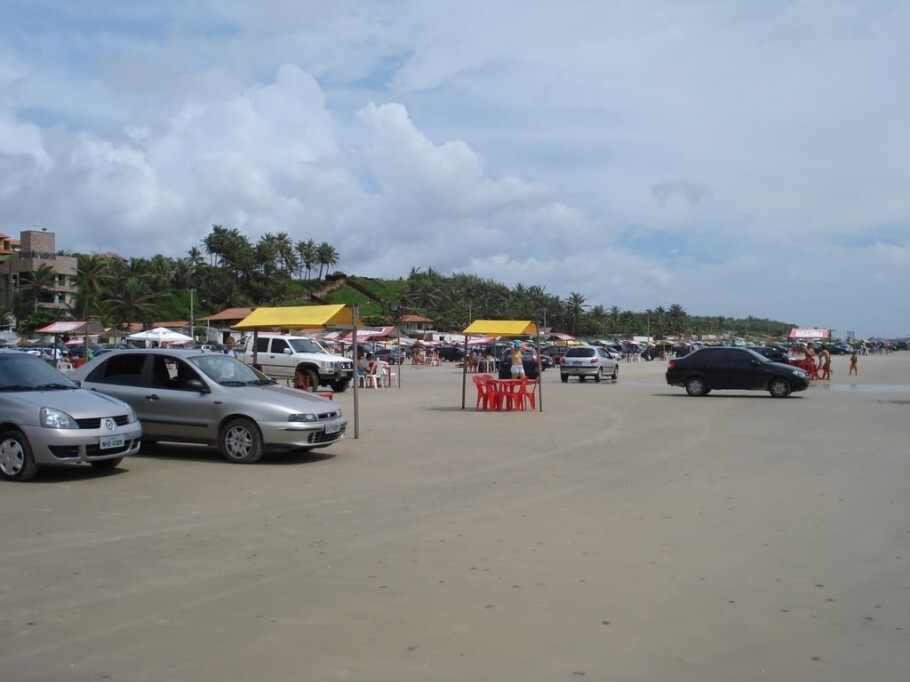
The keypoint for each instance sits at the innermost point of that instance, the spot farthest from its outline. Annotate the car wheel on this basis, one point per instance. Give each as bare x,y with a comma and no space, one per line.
309,378
598,376
241,442
340,386
615,377
779,388
696,386
16,460
107,464
565,378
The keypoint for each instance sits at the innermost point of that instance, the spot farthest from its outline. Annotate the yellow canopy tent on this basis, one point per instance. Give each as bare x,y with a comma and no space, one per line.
501,328
306,317
299,317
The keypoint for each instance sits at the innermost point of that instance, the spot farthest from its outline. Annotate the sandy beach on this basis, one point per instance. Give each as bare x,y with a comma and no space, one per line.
627,533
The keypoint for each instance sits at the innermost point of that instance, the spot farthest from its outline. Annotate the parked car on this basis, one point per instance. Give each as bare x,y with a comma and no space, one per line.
45,418
528,359
557,353
201,397
771,352
451,353
721,367
394,356
284,355
588,361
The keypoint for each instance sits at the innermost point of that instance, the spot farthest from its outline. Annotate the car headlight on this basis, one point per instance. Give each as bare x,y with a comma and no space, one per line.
801,374
302,418
56,419
131,415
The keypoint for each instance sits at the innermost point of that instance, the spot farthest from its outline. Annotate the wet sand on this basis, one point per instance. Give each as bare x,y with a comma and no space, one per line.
626,533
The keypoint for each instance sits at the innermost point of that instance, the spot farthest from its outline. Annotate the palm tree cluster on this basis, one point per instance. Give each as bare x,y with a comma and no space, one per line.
230,271
237,273
452,302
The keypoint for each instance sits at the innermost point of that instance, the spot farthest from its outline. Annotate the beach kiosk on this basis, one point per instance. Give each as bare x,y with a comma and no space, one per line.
502,328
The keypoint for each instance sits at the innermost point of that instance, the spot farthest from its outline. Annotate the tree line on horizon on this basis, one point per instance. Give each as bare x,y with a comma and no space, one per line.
227,270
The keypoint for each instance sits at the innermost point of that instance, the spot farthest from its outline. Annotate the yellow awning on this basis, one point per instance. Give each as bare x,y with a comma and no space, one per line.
298,317
501,328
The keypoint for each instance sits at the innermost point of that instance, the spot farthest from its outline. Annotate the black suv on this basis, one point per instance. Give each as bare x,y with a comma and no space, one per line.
720,367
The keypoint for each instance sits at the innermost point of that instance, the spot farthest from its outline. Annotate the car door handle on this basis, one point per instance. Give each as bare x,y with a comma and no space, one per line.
153,396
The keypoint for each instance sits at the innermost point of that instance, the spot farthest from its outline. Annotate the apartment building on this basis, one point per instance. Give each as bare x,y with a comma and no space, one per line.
20,258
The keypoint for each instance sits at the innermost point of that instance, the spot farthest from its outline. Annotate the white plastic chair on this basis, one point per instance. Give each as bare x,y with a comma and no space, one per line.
376,376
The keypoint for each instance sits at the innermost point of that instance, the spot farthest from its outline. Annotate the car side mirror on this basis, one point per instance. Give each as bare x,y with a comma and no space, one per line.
287,351
197,385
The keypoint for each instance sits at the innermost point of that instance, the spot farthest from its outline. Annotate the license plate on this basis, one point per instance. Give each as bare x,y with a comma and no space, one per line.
109,442
333,427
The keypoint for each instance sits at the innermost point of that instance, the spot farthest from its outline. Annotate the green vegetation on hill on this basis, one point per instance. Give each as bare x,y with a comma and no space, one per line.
232,272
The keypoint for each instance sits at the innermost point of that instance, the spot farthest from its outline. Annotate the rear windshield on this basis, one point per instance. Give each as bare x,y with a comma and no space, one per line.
580,353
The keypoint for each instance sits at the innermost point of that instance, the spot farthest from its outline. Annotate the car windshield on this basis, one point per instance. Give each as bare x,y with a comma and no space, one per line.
23,372
229,371
306,346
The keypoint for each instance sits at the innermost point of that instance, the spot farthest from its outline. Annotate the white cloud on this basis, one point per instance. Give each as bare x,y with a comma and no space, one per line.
745,158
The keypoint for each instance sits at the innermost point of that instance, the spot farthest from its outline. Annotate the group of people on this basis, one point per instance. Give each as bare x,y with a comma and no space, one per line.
818,363
480,361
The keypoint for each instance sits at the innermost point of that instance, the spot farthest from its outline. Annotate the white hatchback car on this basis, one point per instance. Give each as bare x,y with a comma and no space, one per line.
588,361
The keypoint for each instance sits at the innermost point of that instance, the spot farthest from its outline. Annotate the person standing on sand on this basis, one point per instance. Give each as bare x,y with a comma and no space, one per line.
825,358
853,369
518,366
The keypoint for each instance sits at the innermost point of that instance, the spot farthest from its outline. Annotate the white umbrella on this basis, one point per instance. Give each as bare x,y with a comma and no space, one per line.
159,334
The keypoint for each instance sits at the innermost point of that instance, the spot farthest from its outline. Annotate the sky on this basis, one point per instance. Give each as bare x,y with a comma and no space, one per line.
735,157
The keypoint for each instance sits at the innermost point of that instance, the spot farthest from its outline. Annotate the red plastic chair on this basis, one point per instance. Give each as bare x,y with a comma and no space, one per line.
485,397
510,396
528,394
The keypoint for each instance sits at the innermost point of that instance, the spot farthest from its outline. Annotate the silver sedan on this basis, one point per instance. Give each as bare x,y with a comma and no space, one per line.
47,419
194,396
588,361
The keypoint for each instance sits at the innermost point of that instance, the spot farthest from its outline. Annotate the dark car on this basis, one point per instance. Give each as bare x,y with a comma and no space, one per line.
451,353
394,356
771,352
556,353
720,367
529,360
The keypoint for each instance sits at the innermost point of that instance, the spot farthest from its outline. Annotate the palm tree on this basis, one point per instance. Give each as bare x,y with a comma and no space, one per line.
92,274
132,302
307,252
575,307
41,282
327,256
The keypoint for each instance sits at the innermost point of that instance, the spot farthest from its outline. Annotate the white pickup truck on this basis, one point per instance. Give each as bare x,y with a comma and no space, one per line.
281,355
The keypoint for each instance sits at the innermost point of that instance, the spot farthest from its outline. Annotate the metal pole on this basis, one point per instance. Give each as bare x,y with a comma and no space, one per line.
356,312
539,375
464,372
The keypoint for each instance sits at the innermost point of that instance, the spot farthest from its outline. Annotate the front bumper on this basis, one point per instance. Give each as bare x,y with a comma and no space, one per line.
51,446
291,435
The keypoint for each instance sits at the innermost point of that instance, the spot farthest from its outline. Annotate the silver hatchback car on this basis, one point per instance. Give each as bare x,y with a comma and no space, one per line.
193,396
47,419
588,361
